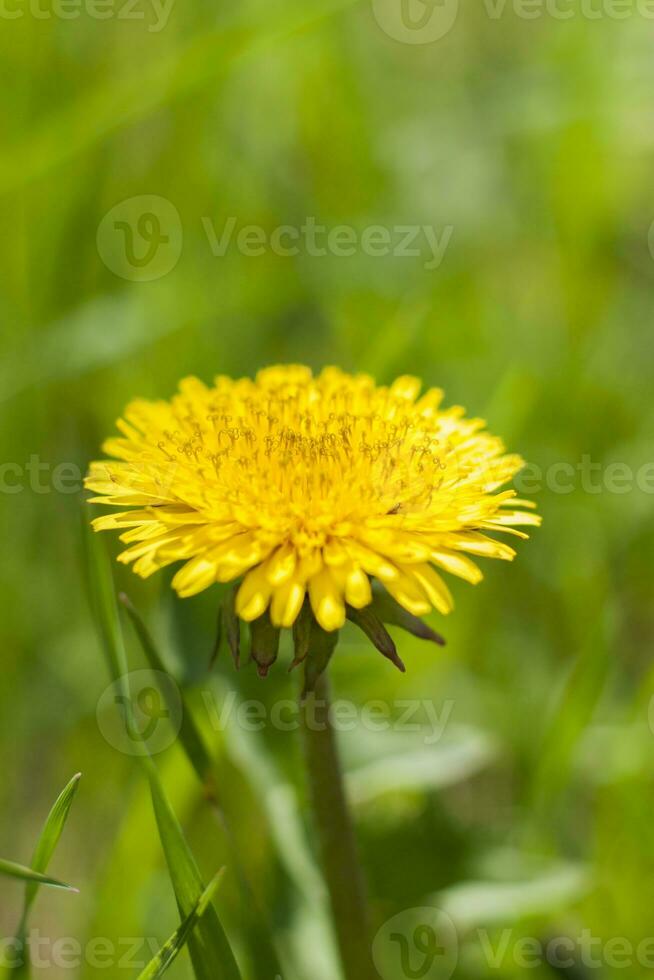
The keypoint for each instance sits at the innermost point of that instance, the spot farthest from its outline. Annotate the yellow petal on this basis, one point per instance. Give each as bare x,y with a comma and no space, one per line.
286,602
145,532
254,594
430,401
433,585
457,565
520,502
493,526
354,583
408,592
399,545
357,588
238,555
148,564
479,544
196,575
281,565
517,517
374,564
327,600
127,518
407,387
335,553
151,545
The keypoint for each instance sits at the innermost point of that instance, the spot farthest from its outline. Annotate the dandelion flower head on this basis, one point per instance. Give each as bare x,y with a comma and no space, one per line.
300,485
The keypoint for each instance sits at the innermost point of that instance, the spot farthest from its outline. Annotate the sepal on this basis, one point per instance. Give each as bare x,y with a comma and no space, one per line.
389,611
264,643
321,647
377,633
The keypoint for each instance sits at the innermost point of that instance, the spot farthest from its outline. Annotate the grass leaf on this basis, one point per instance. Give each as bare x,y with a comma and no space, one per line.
210,951
170,949
190,737
102,597
12,870
211,954
49,837
34,876
45,848
197,753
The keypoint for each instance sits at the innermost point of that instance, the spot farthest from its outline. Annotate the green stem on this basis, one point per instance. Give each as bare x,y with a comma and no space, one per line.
335,830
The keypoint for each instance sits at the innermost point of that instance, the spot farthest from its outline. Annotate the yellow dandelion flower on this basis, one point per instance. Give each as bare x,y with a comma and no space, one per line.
307,486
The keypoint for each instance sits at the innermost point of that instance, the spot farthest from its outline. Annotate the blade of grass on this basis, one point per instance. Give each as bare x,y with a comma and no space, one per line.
102,598
13,870
45,848
198,755
159,964
190,737
211,953
132,856
49,838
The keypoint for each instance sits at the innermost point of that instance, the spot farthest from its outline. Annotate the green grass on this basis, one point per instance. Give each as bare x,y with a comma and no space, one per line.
530,139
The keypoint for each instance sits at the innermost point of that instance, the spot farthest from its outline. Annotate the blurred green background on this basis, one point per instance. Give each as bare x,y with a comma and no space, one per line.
527,144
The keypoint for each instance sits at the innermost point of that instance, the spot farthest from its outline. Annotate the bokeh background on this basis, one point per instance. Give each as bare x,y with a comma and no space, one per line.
526,143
